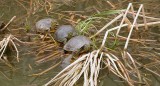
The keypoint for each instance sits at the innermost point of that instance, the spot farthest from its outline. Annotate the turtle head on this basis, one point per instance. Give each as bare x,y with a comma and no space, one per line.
54,25
64,40
71,34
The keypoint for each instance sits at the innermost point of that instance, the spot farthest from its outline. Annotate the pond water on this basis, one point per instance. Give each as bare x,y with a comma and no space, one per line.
27,13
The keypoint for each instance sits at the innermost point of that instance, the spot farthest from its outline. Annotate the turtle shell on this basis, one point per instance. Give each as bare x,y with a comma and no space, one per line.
44,24
76,43
63,32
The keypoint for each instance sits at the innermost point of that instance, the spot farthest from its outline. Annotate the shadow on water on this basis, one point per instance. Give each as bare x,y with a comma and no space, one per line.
20,75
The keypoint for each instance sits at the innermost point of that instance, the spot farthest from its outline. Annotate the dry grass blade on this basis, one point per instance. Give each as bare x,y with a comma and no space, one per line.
124,16
8,23
108,24
131,30
16,50
3,46
135,66
50,68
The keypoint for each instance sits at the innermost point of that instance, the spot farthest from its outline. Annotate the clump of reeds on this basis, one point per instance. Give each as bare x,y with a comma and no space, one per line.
9,40
124,66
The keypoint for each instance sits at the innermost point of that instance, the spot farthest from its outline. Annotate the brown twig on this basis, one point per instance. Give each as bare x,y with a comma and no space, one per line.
113,7
39,74
8,23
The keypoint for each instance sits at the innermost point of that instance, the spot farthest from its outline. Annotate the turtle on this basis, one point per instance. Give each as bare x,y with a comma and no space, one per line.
64,33
66,61
45,24
78,44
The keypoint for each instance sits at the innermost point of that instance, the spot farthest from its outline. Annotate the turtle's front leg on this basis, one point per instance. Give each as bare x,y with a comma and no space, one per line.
86,48
64,41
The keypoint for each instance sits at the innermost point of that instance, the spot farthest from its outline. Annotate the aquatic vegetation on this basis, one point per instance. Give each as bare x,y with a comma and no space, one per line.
88,65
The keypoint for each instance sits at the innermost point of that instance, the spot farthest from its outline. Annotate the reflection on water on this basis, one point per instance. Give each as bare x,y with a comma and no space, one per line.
66,61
